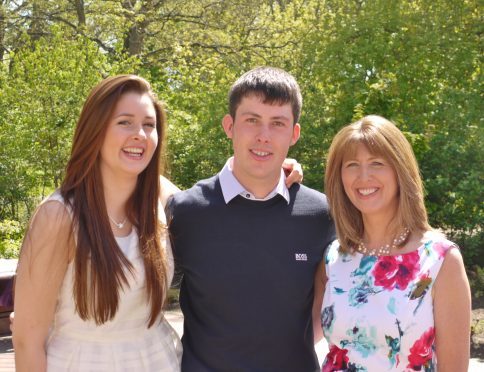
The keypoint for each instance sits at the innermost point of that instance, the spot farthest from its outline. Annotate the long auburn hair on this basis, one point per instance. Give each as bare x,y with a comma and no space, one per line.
382,138
100,266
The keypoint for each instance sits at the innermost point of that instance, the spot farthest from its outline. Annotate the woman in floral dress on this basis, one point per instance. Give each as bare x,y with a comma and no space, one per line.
396,296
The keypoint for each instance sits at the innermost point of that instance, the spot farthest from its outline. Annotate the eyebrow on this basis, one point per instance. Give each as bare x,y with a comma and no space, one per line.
279,117
132,116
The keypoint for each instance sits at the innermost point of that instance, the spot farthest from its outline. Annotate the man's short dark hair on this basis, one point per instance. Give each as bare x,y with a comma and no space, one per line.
272,85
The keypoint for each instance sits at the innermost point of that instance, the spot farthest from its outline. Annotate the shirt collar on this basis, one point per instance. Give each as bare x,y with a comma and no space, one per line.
231,187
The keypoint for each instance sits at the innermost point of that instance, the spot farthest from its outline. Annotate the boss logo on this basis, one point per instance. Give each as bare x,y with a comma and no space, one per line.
301,257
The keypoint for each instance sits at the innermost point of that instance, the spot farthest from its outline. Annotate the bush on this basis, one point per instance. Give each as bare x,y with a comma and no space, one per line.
476,280
11,233
471,245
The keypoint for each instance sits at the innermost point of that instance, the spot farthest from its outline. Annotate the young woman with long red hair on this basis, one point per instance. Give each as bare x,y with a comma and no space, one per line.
96,261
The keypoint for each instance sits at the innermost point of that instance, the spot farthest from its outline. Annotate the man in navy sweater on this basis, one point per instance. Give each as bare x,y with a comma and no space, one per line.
247,245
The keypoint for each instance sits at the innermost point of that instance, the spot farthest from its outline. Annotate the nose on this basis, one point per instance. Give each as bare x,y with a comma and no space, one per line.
139,133
263,135
364,172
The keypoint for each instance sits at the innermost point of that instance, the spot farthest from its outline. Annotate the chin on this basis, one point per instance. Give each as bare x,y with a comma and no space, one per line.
134,172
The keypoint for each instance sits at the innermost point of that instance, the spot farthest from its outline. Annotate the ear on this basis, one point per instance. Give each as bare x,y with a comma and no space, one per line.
296,133
228,124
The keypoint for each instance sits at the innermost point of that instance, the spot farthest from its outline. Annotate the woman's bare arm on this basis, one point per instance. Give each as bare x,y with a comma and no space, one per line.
452,313
319,286
42,266
167,188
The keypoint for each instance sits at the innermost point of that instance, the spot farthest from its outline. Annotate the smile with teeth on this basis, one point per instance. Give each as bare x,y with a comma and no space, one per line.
133,151
367,191
260,153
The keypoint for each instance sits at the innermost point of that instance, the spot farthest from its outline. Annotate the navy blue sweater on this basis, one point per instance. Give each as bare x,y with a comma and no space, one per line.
248,270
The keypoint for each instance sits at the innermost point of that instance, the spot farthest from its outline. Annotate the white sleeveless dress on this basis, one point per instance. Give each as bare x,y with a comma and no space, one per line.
123,343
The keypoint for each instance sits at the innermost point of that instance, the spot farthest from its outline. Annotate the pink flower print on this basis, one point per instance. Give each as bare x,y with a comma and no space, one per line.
422,350
441,248
336,359
396,271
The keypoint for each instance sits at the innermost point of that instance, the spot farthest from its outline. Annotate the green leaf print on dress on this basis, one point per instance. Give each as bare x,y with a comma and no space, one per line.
360,341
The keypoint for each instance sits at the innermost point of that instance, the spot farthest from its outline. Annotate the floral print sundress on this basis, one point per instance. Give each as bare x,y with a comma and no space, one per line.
377,312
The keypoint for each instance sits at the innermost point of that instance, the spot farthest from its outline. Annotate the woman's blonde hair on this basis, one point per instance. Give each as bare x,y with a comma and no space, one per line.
382,138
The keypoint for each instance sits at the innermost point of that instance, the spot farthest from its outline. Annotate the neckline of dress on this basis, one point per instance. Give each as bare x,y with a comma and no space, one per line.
125,237
425,241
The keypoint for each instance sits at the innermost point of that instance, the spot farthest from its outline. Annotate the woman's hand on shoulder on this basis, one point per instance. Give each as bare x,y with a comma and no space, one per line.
452,314
44,257
293,171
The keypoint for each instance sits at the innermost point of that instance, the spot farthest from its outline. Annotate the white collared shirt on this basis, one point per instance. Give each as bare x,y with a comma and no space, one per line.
231,187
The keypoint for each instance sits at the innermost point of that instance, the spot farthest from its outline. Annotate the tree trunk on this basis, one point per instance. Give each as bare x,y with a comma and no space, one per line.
133,43
3,15
35,29
81,15
134,39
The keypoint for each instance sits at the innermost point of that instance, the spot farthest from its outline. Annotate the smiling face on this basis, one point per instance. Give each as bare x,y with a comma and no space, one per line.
131,136
261,135
370,183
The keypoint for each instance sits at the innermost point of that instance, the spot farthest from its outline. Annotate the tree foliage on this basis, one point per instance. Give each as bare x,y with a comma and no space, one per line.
417,63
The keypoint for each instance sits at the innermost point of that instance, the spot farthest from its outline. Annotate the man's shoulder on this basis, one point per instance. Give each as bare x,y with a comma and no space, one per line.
313,206
202,193
308,196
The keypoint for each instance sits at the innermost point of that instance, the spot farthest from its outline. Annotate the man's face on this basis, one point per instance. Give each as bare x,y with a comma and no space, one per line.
261,134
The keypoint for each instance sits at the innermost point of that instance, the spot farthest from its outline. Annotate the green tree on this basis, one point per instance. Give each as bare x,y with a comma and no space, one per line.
41,97
417,63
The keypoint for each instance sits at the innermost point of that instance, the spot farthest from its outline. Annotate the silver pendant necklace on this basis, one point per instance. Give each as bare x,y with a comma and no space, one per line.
119,225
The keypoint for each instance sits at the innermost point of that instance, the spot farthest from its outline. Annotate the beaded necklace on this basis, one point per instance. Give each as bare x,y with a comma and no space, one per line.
384,250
